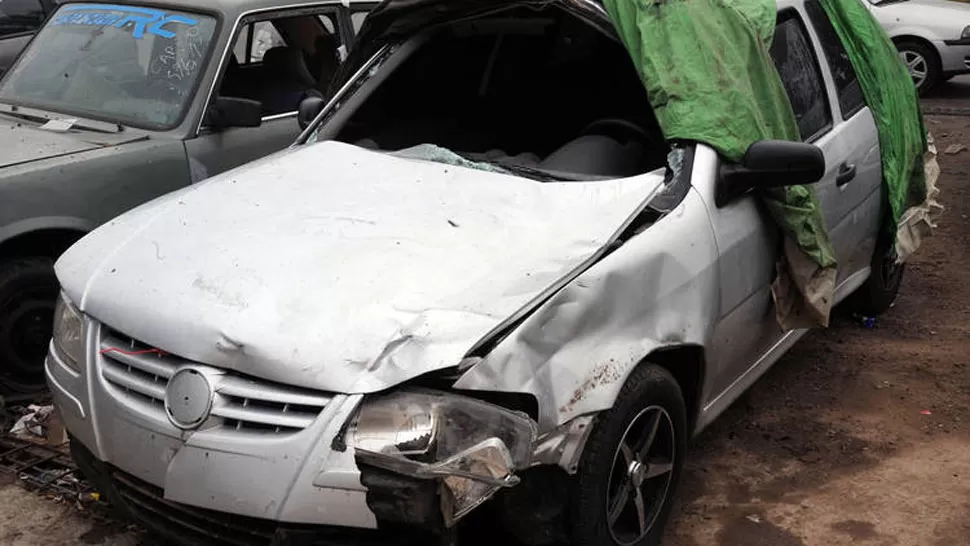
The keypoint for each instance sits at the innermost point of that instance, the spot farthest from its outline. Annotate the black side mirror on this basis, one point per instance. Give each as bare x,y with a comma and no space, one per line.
228,112
310,107
770,164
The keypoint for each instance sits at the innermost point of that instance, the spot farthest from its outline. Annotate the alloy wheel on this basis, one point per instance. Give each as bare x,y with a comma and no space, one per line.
918,66
640,478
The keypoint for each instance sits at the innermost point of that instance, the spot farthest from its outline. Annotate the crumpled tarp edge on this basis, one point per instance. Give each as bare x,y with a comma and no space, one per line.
919,221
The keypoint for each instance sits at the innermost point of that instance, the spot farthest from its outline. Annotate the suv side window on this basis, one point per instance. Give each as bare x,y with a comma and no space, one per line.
795,60
20,16
846,82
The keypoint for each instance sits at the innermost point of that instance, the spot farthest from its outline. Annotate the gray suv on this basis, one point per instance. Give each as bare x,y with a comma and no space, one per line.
112,105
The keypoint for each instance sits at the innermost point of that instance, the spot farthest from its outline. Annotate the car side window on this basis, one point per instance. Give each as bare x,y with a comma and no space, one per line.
846,82
20,16
357,18
795,60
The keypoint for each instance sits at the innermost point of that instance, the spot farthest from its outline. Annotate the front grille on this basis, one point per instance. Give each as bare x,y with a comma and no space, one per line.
199,526
195,524
140,374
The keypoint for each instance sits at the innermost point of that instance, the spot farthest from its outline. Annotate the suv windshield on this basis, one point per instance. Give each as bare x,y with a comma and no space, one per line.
131,65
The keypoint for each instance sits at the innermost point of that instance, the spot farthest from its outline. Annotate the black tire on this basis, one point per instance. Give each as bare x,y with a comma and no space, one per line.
879,291
28,292
932,63
649,392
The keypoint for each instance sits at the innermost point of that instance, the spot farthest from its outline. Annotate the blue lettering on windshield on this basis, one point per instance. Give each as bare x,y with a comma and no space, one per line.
141,20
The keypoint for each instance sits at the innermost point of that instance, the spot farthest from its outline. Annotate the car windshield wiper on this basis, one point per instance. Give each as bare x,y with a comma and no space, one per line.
80,123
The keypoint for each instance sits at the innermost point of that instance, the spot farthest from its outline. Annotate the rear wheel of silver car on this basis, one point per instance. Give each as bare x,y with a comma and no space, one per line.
879,291
922,63
28,291
631,465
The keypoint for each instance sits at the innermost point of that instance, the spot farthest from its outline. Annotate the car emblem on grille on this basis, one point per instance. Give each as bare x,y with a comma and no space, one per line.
188,398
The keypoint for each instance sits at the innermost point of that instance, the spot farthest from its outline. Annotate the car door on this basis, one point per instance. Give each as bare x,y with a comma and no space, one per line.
853,204
215,151
747,335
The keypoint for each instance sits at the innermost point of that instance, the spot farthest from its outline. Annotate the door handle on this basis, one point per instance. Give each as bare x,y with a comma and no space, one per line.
846,174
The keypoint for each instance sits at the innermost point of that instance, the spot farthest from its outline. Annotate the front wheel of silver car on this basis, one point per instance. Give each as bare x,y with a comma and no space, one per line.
631,465
923,64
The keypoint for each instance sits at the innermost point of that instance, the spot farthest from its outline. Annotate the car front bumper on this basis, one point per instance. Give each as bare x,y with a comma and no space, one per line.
954,56
295,479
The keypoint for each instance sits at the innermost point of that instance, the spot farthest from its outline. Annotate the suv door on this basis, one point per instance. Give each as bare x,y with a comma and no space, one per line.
213,151
19,20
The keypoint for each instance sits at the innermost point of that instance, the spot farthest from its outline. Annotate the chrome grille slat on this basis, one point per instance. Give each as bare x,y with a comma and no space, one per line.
128,380
246,388
150,364
244,405
265,417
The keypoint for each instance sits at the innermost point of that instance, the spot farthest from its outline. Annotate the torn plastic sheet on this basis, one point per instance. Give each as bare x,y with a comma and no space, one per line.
33,422
919,221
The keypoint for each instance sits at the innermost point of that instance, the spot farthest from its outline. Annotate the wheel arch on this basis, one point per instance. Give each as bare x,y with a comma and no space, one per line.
42,237
687,364
913,38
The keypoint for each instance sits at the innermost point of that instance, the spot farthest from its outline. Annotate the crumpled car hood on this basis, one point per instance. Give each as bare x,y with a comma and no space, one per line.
338,268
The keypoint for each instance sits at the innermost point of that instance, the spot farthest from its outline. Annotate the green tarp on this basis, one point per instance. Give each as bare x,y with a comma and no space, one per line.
894,103
710,78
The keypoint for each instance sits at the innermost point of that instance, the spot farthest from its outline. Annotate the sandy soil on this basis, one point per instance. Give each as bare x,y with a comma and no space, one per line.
858,437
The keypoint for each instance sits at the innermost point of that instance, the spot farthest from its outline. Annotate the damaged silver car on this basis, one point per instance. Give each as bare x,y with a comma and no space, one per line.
481,280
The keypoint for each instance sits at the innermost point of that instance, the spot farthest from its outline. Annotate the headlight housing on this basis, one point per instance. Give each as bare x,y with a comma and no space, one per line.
474,447
68,333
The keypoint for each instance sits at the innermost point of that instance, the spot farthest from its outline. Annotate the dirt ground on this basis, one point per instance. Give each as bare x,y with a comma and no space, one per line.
858,437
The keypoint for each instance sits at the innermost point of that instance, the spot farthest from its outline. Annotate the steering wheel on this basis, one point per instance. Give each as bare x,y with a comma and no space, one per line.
620,129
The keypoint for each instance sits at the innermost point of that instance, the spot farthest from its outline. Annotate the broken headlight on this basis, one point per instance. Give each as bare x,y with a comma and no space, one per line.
67,337
474,447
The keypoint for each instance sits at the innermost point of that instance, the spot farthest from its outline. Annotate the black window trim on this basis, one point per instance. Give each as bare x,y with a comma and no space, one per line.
792,13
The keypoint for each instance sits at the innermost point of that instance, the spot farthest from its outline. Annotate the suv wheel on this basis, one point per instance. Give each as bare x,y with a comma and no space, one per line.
28,291
631,465
923,65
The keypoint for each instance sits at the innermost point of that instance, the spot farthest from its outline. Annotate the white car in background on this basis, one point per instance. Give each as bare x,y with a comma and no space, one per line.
933,37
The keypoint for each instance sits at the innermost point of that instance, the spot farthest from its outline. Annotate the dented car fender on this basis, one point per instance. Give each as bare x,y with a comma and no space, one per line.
574,352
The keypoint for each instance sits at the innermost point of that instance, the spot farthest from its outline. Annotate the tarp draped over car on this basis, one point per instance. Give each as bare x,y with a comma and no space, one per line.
909,171
710,78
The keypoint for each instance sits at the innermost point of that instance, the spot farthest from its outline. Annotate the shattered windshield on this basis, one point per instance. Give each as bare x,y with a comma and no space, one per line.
131,65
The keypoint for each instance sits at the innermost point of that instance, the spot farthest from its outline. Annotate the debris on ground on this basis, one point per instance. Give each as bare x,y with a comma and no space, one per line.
954,149
39,424
864,321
